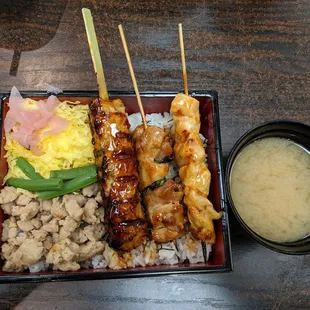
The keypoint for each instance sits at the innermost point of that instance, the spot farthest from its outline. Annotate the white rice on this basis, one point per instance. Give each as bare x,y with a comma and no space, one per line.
168,254
184,249
144,255
39,266
164,120
191,249
99,262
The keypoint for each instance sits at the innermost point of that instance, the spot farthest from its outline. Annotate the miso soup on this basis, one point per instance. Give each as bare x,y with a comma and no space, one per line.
270,188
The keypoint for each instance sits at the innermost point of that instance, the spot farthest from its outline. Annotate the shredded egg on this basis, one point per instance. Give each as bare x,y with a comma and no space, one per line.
70,148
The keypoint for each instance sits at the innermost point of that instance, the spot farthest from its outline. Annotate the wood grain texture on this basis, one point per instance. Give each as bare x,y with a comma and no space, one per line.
255,53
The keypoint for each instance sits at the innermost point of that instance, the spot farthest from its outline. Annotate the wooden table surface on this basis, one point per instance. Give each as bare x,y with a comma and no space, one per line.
255,53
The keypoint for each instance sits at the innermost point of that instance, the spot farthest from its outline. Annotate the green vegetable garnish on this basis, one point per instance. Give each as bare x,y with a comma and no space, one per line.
27,168
157,183
163,160
69,174
36,185
70,186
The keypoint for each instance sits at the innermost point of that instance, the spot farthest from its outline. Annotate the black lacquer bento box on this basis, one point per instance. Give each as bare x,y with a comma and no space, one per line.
220,259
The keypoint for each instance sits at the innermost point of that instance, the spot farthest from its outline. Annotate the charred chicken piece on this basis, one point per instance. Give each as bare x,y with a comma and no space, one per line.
117,171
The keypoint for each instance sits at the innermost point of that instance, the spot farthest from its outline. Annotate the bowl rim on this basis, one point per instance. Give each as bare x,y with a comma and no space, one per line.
231,158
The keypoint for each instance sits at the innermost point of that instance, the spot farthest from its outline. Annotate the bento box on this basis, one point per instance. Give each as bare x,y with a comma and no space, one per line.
220,259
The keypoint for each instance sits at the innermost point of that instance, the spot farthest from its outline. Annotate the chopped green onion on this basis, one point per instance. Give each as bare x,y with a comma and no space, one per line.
158,183
164,160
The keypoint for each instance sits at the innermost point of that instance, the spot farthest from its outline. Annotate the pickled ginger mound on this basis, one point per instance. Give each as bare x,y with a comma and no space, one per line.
25,122
67,149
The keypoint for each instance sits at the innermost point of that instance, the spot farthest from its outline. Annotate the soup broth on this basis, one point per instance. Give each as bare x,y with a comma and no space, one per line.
270,188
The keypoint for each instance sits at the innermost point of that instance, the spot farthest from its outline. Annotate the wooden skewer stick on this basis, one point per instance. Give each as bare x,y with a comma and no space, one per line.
183,60
134,82
95,54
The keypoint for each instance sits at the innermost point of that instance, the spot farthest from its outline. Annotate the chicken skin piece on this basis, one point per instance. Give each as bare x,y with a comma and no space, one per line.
152,147
191,158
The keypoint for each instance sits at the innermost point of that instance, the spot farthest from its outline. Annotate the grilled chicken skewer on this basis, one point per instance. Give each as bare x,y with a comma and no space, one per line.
162,200
191,158
153,147
115,159
194,173
118,173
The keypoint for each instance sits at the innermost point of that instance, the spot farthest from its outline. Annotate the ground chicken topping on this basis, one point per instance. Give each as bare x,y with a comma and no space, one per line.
63,231
8,194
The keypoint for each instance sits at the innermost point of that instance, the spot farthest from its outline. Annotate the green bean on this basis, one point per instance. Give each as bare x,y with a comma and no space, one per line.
36,185
70,186
27,168
69,174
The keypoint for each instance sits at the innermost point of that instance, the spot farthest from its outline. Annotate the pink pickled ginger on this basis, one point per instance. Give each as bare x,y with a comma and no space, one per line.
24,124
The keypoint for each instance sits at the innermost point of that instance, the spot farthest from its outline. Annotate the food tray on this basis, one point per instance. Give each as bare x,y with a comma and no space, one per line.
154,102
